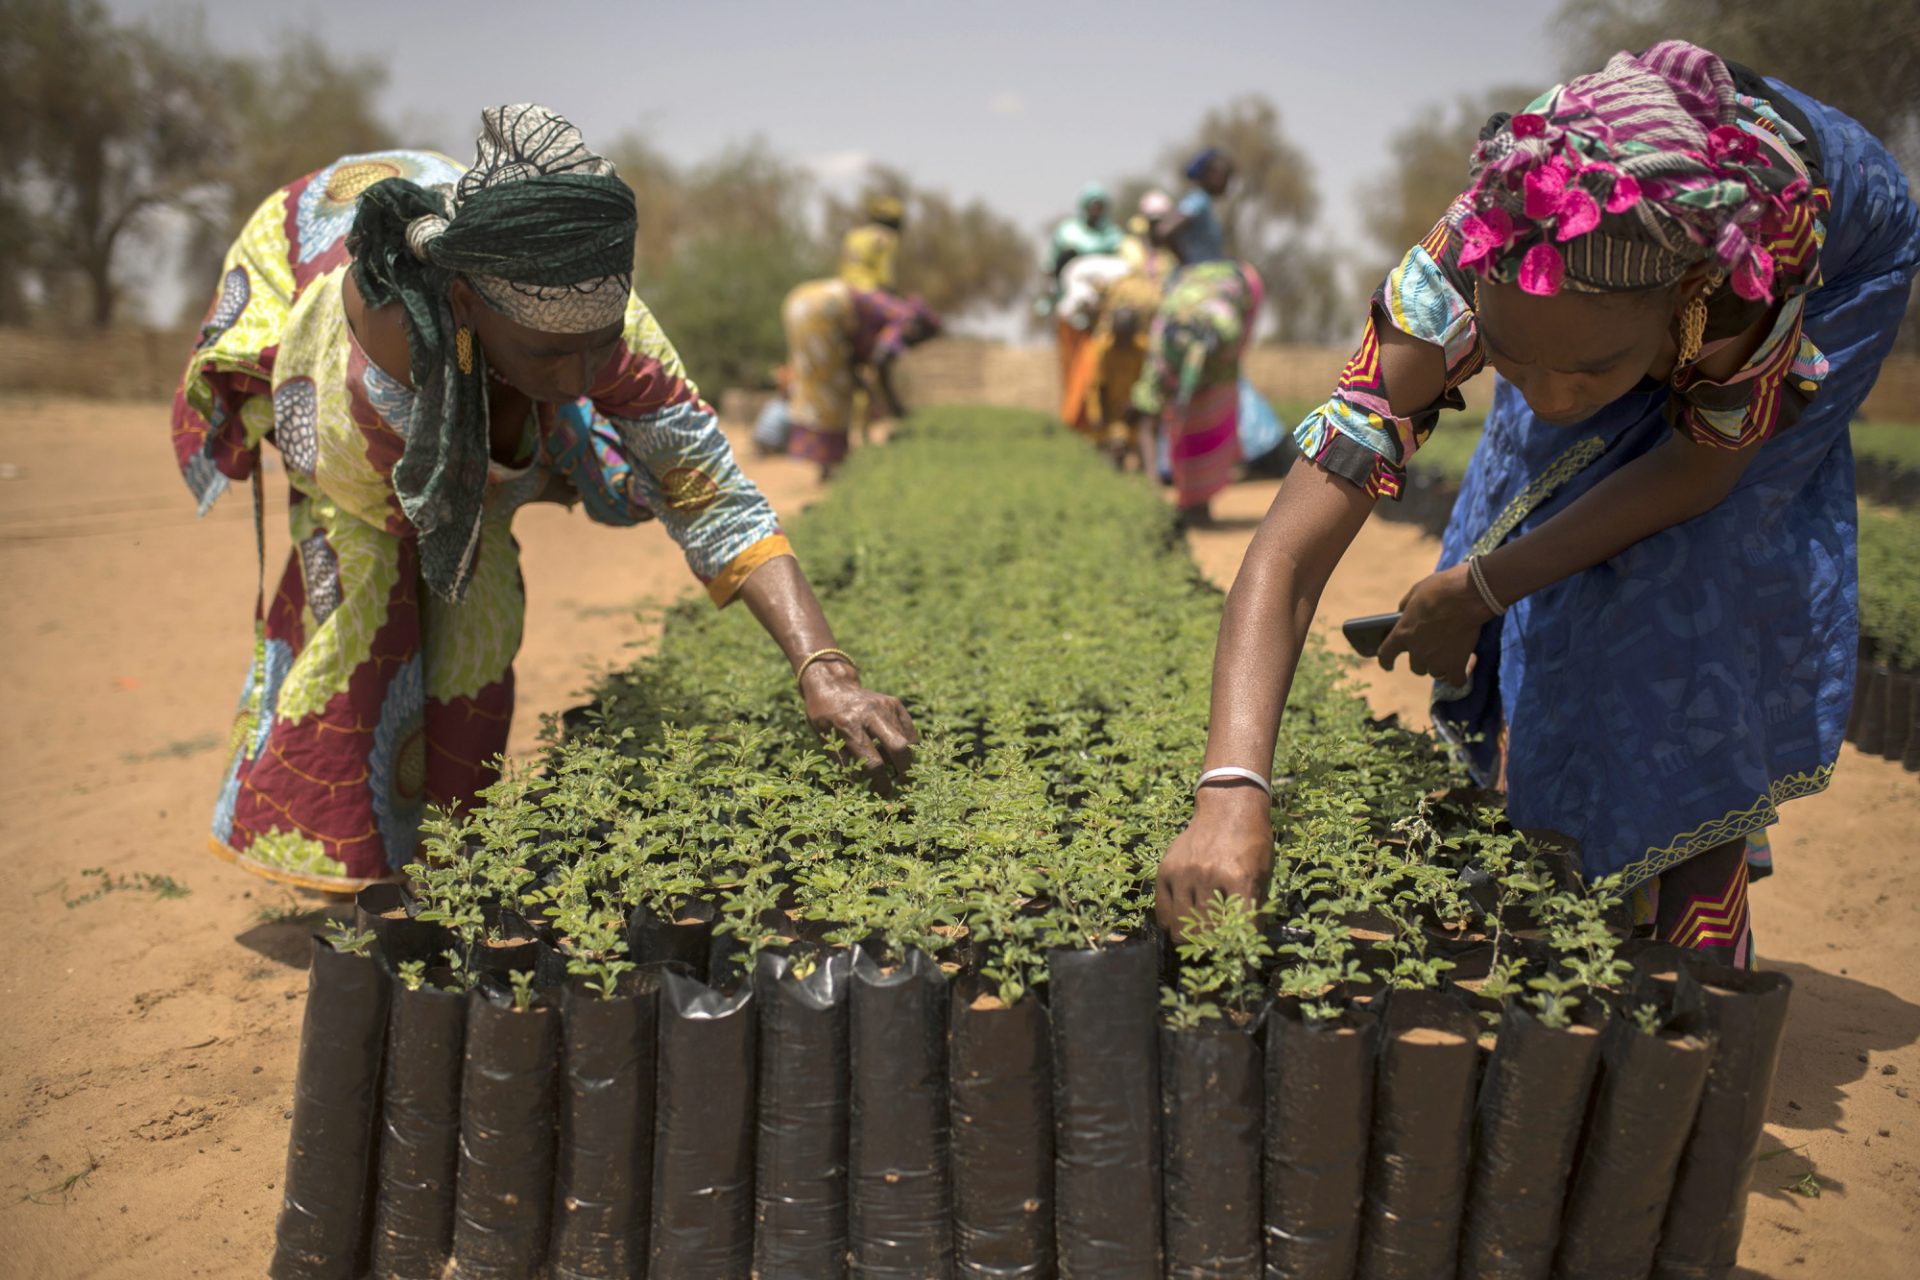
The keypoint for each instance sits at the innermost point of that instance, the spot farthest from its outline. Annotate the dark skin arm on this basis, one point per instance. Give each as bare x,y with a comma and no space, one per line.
878,733
1229,844
884,389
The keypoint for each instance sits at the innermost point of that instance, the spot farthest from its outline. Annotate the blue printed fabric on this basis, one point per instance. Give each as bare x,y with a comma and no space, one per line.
1669,700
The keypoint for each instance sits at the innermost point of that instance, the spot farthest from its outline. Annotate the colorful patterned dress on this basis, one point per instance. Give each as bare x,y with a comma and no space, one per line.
1191,382
833,331
369,697
1662,705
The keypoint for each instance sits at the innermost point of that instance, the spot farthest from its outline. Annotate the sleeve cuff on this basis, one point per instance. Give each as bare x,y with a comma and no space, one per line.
727,585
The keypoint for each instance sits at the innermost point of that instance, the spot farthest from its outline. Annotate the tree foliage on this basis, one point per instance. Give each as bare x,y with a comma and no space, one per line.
105,127
958,257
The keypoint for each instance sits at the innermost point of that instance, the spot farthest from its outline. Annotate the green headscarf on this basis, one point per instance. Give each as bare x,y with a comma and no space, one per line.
543,230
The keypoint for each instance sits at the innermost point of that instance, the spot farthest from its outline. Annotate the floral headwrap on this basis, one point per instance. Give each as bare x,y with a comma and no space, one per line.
1624,179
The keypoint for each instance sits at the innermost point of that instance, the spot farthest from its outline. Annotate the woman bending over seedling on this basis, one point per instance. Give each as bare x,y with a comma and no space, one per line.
430,347
1686,276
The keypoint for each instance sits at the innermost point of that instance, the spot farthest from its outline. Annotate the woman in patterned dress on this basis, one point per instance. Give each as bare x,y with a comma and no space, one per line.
839,337
430,348
1190,387
1645,619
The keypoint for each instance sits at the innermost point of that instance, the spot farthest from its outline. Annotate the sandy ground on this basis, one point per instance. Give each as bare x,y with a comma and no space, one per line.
147,1052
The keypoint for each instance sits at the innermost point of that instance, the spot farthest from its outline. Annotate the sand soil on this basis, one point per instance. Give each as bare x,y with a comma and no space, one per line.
148,1044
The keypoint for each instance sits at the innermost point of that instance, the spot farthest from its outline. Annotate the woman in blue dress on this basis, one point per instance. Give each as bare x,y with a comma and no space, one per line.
1686,277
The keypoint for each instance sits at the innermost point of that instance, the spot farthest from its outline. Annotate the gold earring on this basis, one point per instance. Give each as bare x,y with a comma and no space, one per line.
463,348
1693,329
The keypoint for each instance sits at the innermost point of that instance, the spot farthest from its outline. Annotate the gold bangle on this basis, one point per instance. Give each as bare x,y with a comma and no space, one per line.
821,655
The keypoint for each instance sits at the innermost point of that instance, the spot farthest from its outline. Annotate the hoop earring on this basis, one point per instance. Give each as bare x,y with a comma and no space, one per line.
1693,329
463,348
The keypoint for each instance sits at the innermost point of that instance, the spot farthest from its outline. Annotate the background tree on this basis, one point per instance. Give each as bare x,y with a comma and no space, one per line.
282,118
718,249
110,125
959,257
1426,168
1862,56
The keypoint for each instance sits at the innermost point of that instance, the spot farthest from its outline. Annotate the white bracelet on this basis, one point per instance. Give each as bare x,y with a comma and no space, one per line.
1478,576
1234,771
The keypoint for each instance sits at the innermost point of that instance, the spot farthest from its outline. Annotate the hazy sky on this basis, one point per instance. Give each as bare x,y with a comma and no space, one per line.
1015,103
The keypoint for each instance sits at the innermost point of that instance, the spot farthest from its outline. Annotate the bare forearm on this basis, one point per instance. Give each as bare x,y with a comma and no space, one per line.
1269,611
782,600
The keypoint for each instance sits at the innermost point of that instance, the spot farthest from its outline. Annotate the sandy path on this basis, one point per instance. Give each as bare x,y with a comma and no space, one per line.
153,1040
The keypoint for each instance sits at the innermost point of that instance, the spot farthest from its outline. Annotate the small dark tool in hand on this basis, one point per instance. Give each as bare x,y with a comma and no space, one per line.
1366,635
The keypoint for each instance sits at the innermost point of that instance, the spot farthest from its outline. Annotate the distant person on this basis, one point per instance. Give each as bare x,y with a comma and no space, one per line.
774,425
1686,276
841,340
1119,355
1083,288
1189,390
1090,233
1192,231
1143,255
868,251
429,348
1091,230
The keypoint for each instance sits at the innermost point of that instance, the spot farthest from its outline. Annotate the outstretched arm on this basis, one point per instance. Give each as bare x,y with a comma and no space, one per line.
1228,847
878,733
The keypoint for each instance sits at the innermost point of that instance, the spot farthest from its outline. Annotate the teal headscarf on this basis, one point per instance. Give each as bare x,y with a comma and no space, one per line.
543,230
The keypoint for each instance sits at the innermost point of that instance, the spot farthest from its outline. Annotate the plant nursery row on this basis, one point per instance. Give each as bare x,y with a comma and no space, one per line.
685,999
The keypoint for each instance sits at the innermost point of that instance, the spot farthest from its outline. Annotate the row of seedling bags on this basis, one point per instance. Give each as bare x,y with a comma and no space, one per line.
1885,720
830,1114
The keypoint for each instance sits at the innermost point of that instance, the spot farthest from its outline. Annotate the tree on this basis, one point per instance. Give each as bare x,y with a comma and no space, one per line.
1862,56
958,257
109,126
285,118
717,251
1426,169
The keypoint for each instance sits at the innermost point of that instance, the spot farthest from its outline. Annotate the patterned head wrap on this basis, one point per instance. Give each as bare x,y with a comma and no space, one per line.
1155,205
543,230
1624,179
887,209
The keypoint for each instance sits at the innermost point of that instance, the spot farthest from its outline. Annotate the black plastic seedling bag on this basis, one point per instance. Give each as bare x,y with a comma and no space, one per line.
1000,1100
703,1133
1106,1111
1526,1126
322,1231
1643,1110
1212,1110
1319,1096
898,1224
687,941
1422,1131
386,911
510,944
1708,1208
419,1133
603,1183
504,1200
800,1157
1870,735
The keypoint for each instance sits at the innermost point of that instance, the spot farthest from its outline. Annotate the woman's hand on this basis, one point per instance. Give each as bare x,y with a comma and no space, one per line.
876,729
1440,621
1227,848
